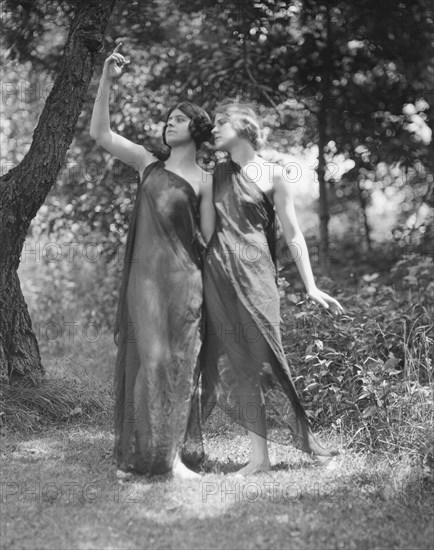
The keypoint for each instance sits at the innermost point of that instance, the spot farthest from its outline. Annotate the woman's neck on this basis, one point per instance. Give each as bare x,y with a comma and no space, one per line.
182,156
242,153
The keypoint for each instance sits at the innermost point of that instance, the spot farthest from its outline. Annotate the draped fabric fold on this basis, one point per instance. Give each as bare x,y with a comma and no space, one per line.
158,323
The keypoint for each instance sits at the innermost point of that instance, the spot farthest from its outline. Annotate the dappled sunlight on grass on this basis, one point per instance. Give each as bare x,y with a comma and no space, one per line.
70,483
36,449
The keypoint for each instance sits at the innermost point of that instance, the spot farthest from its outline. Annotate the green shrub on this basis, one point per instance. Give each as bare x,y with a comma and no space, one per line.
369,372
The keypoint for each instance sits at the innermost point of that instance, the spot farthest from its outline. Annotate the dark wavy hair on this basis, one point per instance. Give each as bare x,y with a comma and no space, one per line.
200,125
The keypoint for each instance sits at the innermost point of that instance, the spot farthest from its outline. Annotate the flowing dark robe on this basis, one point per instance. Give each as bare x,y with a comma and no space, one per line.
244,366
158,323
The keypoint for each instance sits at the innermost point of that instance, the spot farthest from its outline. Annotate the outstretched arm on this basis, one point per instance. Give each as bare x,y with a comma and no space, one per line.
284,204
125,150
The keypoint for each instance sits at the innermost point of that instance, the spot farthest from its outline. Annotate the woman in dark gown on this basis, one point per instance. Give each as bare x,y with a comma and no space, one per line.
160,303
244,364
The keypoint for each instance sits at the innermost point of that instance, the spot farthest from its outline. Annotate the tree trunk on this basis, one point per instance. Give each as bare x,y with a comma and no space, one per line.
324,104
323,203
362,202
24,188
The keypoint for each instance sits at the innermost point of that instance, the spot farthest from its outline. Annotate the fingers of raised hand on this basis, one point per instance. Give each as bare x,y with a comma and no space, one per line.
118,58
118,47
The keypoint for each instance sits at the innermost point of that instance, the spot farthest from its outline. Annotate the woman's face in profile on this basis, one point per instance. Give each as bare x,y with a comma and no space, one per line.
177,131
223,132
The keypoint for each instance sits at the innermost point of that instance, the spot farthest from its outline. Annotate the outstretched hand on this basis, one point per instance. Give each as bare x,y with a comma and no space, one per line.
115,62
323,299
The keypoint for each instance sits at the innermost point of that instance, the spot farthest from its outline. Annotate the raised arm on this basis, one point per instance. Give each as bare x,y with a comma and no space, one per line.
125,150
284,203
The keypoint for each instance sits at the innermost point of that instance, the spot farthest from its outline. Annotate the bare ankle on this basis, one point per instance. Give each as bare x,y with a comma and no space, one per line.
253,468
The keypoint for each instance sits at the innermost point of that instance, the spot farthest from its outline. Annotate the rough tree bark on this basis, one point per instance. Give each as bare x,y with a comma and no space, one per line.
24,188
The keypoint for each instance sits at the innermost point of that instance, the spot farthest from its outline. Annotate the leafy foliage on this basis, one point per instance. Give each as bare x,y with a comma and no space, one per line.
363,72
370,372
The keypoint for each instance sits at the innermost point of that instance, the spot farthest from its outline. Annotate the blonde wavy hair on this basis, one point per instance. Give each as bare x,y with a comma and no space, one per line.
244,121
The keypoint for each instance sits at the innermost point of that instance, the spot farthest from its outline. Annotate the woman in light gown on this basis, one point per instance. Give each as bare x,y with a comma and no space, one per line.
244,365
158,322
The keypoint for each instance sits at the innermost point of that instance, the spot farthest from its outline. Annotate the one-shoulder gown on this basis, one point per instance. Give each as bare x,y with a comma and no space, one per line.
244,368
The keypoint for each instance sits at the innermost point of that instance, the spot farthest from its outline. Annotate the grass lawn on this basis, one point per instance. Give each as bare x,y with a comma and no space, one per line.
59,491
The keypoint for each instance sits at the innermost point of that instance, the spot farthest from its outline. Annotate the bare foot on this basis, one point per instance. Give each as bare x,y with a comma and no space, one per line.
327,462
254,468
181,471
124,476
